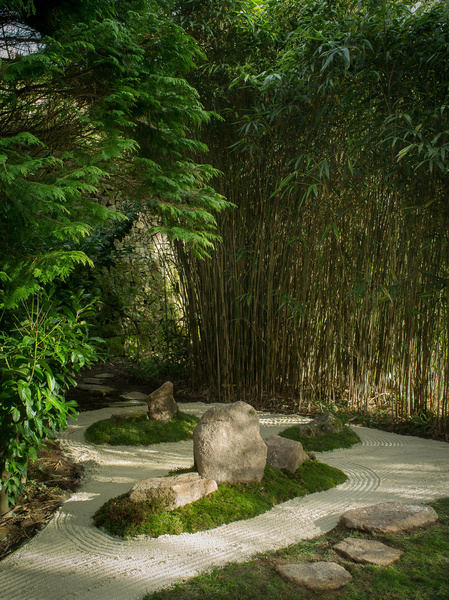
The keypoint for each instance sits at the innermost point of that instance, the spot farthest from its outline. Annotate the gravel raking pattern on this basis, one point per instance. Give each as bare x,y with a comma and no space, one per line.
72,560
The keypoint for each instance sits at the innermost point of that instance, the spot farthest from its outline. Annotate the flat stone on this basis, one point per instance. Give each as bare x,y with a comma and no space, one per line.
368,551
134,396
96,390
104,375
126,404
318,576
389,517
179,490
284,453
93,380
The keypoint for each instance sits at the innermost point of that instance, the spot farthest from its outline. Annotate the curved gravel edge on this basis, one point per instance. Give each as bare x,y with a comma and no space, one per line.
73,560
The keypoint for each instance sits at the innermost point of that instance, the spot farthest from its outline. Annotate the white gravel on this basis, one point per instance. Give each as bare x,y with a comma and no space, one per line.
72,560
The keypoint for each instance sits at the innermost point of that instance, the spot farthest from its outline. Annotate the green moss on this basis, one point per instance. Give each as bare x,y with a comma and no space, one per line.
141,432
230,503
323,443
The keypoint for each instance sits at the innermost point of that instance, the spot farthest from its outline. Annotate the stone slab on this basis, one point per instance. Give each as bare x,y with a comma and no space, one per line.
389,517
104,375
96,390
368,551
185,489
318,576
134,396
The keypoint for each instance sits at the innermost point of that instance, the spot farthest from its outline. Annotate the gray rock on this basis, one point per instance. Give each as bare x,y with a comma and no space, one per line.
173,491
93,380
228,446
284,453
368,551
161,404
104,375
318,577
322,424
389,517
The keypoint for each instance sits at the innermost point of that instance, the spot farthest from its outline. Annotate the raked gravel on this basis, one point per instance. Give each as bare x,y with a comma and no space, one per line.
70,559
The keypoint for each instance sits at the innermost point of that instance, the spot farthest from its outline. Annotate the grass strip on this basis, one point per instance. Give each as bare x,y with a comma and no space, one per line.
420,574
330,441
120,516
141,432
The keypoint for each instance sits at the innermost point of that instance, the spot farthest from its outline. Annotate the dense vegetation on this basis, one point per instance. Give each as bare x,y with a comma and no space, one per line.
331,282
94,103
326,280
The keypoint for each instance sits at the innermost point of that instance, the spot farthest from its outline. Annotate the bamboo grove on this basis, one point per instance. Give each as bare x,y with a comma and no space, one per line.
331,284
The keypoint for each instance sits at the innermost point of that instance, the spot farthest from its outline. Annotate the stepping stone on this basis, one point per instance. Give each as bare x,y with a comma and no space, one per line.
134,396
368,551
96,390
126,404
104,375
389,517
93,380
318,577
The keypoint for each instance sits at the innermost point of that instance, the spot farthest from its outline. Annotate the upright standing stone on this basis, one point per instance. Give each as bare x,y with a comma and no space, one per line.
228,446
161,404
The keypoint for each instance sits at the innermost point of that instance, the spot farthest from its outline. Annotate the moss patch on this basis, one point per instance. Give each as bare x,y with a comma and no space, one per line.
120,516
141,431
329,441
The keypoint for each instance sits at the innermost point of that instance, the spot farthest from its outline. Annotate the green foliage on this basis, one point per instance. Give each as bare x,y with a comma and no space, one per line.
44,347
323,443
141,431
229,503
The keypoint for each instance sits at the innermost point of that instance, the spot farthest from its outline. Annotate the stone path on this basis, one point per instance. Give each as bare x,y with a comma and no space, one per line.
72,560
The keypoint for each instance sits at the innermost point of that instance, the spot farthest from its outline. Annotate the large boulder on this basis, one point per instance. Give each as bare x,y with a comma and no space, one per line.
322,424
284,453
171,492
161,404
228,447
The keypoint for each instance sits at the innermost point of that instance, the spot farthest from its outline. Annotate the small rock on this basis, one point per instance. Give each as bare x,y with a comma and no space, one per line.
322,424
389,517
284,453
368,551
175,491
104,375
318,577
93,380
228,447
161,404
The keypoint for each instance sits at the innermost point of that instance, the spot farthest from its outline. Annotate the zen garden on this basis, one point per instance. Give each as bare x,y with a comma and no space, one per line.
224,299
